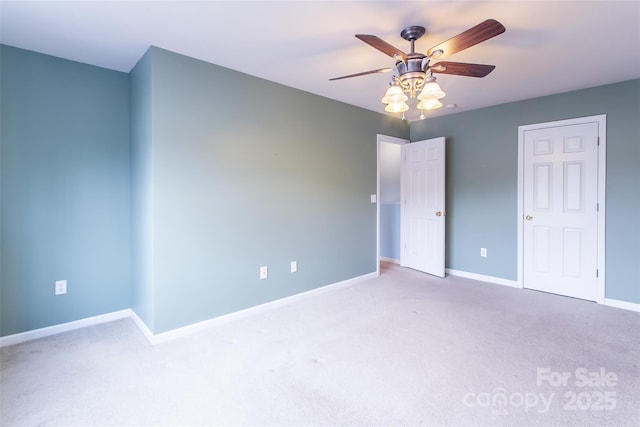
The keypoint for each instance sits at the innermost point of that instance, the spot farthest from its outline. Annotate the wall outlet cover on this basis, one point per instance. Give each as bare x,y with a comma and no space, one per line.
61,287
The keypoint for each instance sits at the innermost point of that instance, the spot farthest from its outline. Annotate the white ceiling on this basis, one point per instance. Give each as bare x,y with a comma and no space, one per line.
549,46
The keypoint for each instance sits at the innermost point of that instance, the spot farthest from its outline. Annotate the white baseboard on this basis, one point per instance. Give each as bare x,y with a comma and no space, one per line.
142,326
189,329
63,327
622,304
497,280
195,327
175,333
392,260
483,278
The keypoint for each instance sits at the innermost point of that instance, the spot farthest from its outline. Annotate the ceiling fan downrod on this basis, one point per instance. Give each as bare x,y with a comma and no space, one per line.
411,34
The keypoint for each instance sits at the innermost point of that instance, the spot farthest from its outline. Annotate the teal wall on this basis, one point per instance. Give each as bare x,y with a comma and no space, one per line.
482,148
245,172
65,190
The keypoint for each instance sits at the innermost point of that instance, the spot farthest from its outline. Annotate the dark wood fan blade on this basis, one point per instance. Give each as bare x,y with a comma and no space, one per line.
462,69
382,46
364,73
474,35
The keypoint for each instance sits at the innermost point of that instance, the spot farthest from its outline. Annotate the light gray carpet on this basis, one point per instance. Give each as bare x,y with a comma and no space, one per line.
405,349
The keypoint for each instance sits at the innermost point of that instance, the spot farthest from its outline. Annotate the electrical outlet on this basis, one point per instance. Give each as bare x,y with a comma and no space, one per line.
483,252
294,266
264,272
61,287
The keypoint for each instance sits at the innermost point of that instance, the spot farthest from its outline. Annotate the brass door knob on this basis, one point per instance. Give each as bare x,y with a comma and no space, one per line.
528,217
439,213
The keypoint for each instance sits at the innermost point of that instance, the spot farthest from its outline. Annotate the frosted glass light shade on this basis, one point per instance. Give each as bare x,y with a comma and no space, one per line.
431,90
394,95
429,104
396,107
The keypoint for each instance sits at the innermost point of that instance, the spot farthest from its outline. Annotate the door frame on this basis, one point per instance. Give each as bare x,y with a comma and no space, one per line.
379,139
601,120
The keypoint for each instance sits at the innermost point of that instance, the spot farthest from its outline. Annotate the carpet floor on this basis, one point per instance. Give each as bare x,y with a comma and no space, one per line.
403,349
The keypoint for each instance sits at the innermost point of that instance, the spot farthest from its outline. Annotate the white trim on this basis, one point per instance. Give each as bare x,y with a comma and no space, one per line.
178,332
601,120
602,207
632,306
185,330
391,140
142,326
392,260
63,327
483,278
196,327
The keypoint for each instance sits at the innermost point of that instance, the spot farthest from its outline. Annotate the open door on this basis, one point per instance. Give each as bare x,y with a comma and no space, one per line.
422,192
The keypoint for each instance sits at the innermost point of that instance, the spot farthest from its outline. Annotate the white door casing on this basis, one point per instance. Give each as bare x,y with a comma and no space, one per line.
561,208
423,206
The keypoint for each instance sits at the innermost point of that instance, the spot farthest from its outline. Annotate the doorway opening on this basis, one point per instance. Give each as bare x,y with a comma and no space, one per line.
388,207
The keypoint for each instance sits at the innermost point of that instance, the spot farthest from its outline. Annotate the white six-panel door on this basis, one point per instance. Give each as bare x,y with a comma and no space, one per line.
560,210
422,189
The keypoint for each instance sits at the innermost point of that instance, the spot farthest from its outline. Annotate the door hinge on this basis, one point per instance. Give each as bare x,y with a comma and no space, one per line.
597,272
597,207
598,141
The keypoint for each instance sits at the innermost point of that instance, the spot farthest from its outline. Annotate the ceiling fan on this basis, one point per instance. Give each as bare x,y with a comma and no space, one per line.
415,70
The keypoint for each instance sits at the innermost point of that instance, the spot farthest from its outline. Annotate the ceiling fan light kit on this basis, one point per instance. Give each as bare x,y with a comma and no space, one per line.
431,89
394,94
429,104
396,107
415,77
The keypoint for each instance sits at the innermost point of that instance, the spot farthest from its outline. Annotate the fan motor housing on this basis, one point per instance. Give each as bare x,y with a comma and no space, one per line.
412,64
411,74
